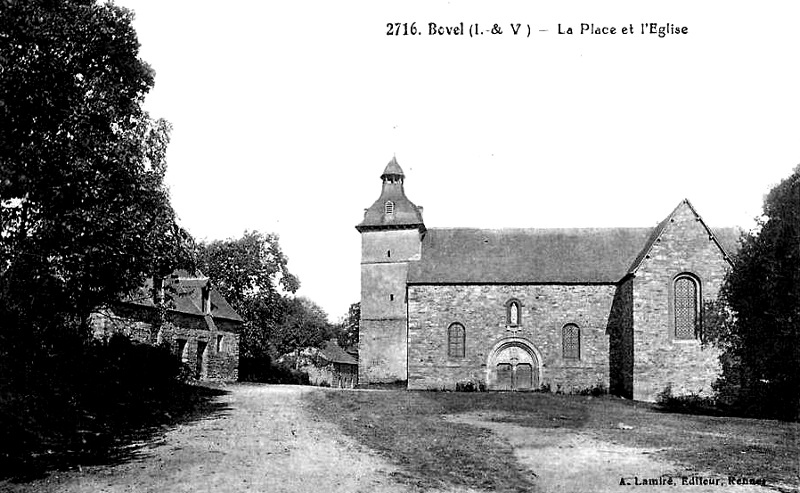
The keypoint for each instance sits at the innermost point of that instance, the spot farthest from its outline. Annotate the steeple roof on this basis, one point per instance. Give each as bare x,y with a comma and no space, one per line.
392,169
392,210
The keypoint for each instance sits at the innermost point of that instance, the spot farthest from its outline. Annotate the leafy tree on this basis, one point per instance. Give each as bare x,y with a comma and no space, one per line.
252,273
303,324
247,268
84,218
84,214
348,330
757,320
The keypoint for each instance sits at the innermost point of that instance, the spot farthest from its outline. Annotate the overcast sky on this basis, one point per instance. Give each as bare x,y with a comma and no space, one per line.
285,114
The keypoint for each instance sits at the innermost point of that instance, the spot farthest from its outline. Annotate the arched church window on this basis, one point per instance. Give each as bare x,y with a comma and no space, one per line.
513,313
686,306
571,342
388,207
456,338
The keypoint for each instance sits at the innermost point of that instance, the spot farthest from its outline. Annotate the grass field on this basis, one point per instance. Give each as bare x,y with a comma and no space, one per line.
411,430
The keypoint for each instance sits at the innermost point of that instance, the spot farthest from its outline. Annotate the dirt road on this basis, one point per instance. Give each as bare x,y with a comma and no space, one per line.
266,442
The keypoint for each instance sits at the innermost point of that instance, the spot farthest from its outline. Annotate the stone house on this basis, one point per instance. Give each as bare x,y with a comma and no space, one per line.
199,325
341,368
329,366
518,309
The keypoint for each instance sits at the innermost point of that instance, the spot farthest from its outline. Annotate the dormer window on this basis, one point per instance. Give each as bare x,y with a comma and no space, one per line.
388,207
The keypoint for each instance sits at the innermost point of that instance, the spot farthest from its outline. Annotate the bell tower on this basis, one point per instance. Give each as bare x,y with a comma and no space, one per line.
391,238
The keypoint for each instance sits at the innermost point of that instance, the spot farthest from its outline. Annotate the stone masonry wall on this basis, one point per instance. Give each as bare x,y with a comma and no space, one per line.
659,358
382,345
382,351
217,363
481,309
621,341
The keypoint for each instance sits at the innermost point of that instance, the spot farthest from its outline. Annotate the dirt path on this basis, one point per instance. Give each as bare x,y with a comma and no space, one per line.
566,460
265,443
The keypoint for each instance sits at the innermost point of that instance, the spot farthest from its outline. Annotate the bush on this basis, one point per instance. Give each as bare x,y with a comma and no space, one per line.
687,404
466,387
595,391
80,396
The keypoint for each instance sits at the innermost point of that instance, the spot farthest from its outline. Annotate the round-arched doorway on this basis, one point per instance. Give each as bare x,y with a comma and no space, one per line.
513,364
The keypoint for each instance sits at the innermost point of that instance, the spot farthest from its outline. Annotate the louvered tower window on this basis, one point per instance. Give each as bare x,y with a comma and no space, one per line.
455,341
687,314
388,207
571,342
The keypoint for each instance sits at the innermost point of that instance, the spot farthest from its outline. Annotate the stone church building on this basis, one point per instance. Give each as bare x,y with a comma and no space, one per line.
518,309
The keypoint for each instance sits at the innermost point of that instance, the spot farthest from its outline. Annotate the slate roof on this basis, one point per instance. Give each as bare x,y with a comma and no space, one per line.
187,298
405,215
481,256
335,354
393,169
569,256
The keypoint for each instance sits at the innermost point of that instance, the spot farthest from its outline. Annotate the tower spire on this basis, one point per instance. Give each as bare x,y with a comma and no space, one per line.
392,210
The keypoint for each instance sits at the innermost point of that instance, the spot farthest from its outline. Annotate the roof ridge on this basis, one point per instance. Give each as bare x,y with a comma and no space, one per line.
521,229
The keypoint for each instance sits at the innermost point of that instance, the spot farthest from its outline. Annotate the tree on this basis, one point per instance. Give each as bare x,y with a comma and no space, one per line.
348,330
247,268
303,324
757,320
84,218
251,272
84,214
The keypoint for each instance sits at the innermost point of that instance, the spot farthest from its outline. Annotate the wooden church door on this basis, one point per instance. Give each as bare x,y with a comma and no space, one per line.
515,368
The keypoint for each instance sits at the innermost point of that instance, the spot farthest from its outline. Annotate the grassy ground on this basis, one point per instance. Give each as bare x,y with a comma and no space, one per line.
410,429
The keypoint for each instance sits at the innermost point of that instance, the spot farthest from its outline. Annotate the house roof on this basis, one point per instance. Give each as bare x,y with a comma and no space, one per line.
404,215
335,354
187,297
581,256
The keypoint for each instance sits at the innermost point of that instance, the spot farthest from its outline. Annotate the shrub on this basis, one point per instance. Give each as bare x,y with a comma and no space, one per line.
81,396
595,391
691,403
466,387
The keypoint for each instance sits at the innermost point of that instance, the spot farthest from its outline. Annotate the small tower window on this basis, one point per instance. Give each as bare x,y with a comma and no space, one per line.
391,297
388,207
219,343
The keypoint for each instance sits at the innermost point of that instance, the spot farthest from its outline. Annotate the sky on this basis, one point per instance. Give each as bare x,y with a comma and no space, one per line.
285,114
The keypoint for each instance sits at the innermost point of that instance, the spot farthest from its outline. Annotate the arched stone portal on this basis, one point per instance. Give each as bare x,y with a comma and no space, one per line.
513,364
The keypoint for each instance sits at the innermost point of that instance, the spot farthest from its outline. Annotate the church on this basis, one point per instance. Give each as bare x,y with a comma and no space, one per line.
525,309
